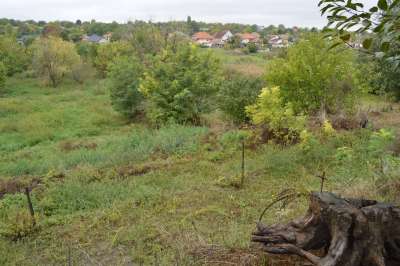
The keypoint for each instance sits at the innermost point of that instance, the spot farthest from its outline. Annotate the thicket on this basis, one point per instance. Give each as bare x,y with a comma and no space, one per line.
106,53
314,78
54,58
124,76
236,92
179,85
14,56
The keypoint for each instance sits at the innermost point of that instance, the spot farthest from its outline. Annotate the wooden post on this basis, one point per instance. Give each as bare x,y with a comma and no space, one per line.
243,166
30,206
323,178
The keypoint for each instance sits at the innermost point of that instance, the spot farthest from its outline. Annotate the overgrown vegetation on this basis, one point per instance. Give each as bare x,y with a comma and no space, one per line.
180,84
54,58
134,158
237,92
124,76
315,79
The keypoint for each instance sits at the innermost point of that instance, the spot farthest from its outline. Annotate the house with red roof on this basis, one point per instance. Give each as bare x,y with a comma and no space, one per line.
203,38
247,38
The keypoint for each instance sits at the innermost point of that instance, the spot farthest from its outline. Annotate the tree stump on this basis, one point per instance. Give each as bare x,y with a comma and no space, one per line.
352,232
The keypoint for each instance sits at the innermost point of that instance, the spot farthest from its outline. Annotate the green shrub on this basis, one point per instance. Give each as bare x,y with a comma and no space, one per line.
107,53
237,92
180,84
15,58
87,51
81,72
54,58
380,141
313,78
15,219
271,111
124,77
252,48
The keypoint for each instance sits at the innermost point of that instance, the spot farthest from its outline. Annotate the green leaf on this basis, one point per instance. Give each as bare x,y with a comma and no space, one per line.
373,9
366,23
380,55
335,45
380,27
367,43
323,10
345,37
394,3
385,46
382,4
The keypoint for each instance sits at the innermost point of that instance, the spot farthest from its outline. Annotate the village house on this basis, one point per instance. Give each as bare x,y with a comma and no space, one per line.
94,38
203,39
221,38
247,38
277,41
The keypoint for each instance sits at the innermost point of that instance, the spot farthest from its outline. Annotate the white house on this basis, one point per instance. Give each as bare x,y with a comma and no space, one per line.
220,38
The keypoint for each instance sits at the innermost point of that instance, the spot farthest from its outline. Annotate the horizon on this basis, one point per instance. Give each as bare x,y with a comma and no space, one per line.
259,12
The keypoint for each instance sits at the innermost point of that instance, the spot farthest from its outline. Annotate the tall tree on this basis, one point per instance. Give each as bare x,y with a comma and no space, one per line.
53,58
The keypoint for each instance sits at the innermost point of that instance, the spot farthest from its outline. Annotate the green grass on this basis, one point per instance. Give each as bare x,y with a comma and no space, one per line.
250,64
132,194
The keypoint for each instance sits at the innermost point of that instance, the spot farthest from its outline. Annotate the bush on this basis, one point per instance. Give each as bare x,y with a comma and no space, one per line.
314,78
124,77
180,84
13,55
107,53
237,92
3,73
81,72
87,51
54,58
252,48
280,119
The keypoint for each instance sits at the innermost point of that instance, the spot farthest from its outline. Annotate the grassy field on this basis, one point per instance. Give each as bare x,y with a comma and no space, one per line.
106,192
250,64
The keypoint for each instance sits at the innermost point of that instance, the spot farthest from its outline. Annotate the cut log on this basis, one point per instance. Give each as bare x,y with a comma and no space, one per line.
352,232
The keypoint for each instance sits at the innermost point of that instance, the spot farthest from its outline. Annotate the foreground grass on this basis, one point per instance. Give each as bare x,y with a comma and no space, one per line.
117,194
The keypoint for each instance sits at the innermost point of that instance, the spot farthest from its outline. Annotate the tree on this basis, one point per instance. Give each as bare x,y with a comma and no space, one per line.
386,78
3,74
237,92
314,78
87,51
53,58
107,53
382,20
13,55
52,29
123,81
146,39
179,85
234,42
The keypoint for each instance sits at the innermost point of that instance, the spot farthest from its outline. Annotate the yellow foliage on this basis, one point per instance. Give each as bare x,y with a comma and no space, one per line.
270,110
53,58
328,129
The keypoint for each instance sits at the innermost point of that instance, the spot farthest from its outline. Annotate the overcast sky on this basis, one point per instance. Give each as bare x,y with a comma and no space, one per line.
262,12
